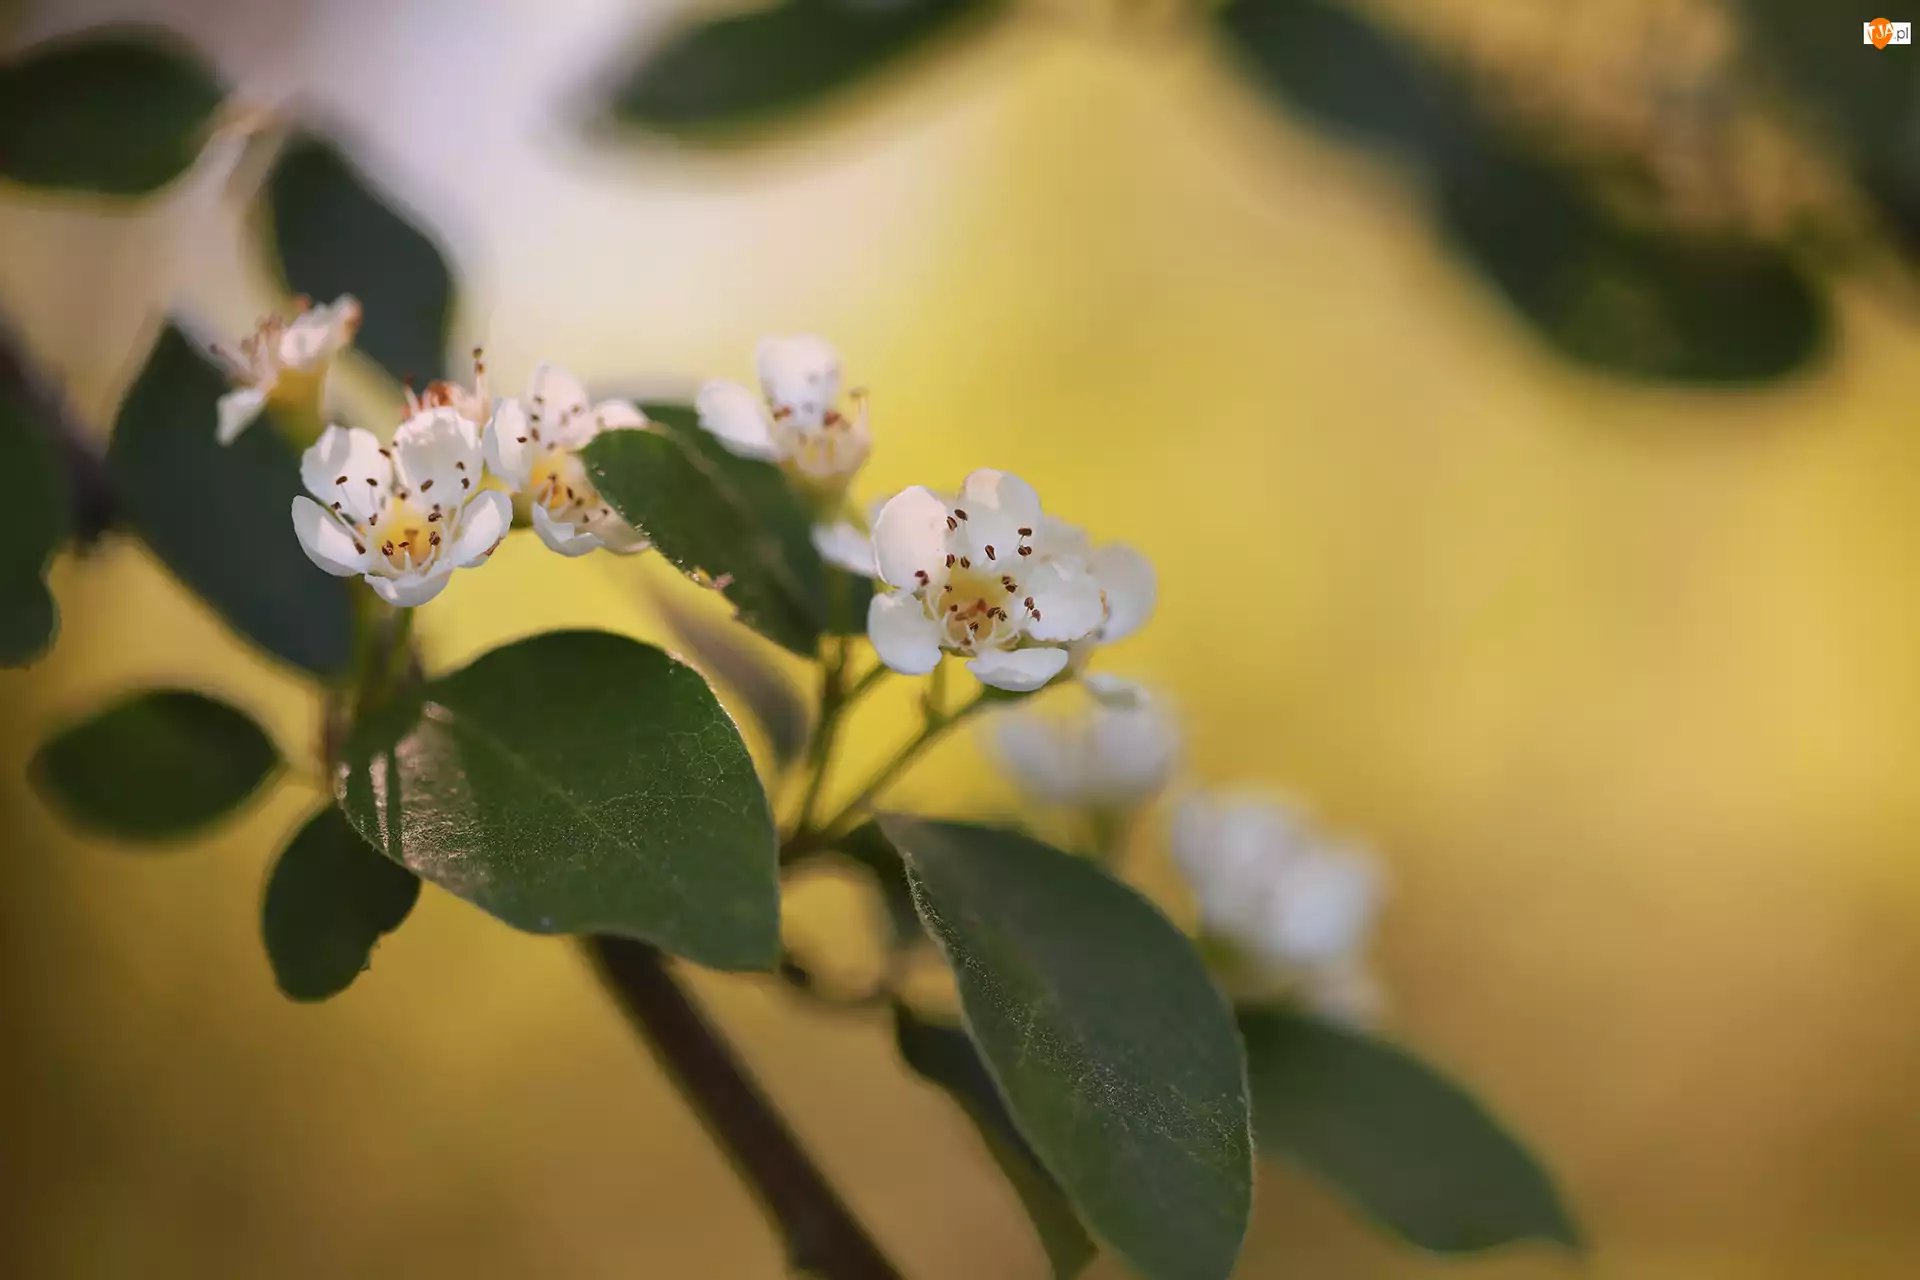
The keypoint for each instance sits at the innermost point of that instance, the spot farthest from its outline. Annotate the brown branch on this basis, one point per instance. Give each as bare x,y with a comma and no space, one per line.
822,1236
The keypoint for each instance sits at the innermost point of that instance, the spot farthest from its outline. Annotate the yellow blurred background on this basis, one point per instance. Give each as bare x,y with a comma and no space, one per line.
1622,681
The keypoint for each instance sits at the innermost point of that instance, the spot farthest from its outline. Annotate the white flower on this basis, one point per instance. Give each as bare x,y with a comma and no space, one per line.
476,406
1127,582
796,420
1116,751
534,447
976,578
284,363
404,518
1299,905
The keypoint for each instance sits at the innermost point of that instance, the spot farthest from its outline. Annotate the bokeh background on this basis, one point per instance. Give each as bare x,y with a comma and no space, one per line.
1622,677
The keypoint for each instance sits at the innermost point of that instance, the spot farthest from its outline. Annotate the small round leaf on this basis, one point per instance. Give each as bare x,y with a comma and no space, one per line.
330,898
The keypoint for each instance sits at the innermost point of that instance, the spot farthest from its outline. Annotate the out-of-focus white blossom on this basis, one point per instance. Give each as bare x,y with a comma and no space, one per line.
795,420
1300,907
533,445
404,518
284,363
1114,750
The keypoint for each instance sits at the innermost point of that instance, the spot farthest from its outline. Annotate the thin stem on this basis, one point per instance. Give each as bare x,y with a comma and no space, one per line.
822,1236
936,727
835,701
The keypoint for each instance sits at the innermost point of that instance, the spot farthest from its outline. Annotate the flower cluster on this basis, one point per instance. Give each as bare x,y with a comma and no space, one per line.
284,363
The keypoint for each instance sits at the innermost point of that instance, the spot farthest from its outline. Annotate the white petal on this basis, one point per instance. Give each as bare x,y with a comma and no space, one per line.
615,415
801,375
567,539
904,637
327,542
739,419
437,453
1117,691
1132,749
557,407
1018,670
317,334
1036,754
1055,537
236,411
619,537
843,544
997,507
1127,578
414,589
482,523
508,449
1066,600
910,537
1322,907
349,467
1344,991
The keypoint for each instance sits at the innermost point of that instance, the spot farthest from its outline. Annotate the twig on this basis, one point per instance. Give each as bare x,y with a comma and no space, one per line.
822,1236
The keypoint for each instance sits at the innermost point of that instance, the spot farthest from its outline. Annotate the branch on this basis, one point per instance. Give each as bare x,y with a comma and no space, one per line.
822,1236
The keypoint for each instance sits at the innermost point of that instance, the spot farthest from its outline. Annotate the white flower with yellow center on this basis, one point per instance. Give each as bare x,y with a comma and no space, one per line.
796,421
404,518
1114,752
1298,905
974,577
284,363
534,445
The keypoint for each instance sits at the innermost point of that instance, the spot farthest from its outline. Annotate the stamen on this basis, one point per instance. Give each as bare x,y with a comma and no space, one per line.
950,556
952,524
465,483
434,516
425,485
519,439
1025,533
434,540
959,513
922,575
990,551
341,480
965,563
1026,551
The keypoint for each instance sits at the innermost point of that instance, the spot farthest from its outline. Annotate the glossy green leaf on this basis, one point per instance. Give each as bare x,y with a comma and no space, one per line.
336,232
1115,1054
1410,1148
578,782
773,62
711,512
218,516
161,765
731,655
945,1056
1633,300
118,111
328,902
34,521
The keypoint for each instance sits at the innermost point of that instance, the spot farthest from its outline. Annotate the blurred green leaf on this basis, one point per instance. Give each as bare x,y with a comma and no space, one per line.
945,1056
777,61
218,516
34,521
710,511
1632,300
336,232
330,898
727,653
159,766
1865,100
578,782
1408,1147
1112,1049
118,111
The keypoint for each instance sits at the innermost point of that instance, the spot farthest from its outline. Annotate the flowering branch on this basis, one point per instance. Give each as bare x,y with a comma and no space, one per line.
822,1236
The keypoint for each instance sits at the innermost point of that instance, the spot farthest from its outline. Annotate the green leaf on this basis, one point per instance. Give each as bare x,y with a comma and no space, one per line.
217,516
336,232
726,653
161,765
34,521
1411,1149
1115,1054
579,782
330,898
777,61
1633,300
118,111
945,1056
722,515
